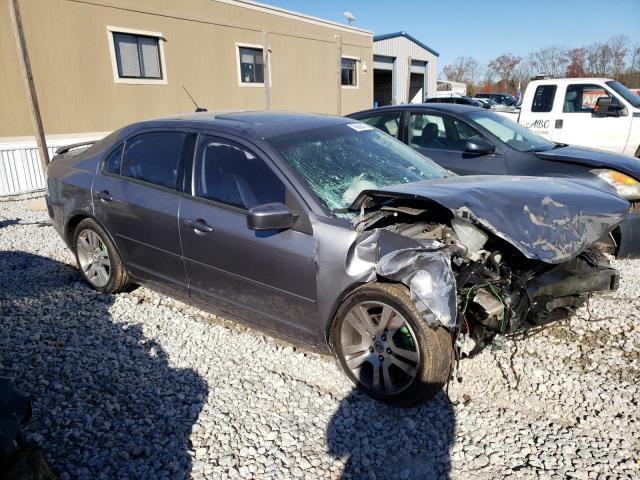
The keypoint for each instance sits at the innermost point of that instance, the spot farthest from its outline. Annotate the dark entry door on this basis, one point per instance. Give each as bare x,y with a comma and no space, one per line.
264,277
135,198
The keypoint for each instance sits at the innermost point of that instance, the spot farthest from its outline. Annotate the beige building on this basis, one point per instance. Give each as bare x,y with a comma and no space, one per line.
100,64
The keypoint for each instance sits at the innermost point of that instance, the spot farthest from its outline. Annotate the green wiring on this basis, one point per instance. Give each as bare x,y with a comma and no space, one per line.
495,294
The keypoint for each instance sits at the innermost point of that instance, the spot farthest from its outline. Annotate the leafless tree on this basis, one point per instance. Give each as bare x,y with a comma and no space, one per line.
598,59
619,46
463,69
551,60
474,69
504,66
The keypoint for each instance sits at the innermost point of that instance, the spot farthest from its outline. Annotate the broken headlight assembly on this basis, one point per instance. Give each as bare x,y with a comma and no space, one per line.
626,186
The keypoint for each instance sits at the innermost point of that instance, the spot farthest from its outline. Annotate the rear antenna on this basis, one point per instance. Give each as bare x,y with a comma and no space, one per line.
198,109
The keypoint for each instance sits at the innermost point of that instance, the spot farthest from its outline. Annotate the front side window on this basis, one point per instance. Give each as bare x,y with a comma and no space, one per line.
543,98
251,65
348,72
137,56
153,157
442,132
582,98
513,134
388,123
228,173
340,161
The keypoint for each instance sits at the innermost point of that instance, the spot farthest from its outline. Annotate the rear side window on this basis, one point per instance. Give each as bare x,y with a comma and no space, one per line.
112,162
388,123
543,98
153,157
228,173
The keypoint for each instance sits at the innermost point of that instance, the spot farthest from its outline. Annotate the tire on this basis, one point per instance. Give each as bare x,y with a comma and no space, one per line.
93,247
413,362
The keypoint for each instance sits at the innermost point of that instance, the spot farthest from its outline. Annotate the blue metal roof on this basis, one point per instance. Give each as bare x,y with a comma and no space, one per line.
386,36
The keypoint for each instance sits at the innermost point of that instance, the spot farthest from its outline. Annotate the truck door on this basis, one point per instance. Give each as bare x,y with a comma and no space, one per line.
576,123
537,111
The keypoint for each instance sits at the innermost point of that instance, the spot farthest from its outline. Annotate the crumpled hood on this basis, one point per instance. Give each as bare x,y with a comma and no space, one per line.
549,219
594,159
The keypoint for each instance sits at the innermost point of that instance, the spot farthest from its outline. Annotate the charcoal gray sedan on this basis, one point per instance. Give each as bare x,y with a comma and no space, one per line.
330,233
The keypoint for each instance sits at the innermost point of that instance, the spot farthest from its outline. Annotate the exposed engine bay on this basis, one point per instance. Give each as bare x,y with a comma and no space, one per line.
492,288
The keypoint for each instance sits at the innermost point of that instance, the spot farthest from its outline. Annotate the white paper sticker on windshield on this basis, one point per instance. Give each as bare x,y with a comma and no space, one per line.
359,127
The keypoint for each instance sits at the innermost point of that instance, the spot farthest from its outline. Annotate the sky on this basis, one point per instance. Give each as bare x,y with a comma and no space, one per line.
486,29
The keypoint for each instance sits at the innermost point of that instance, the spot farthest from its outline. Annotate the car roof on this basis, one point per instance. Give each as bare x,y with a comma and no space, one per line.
255,123
445,107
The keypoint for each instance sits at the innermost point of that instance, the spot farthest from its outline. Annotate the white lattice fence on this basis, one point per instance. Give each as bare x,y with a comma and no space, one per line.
20,170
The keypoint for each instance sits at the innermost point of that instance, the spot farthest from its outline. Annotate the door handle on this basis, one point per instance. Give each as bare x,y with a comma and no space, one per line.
198,226
104,196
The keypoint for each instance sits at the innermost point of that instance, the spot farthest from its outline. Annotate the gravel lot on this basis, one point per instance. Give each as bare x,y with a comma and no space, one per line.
141,386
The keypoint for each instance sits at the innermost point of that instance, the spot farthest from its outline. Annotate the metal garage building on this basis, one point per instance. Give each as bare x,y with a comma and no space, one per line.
403,69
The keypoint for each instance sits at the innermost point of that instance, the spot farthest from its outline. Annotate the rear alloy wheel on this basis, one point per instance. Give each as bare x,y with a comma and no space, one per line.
97,258
386,348
93,258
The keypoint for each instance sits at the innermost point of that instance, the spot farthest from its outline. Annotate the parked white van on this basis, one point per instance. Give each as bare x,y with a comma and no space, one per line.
592,112
447,88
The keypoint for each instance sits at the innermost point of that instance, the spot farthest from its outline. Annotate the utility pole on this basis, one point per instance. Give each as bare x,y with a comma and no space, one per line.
267,70
339,104
14,7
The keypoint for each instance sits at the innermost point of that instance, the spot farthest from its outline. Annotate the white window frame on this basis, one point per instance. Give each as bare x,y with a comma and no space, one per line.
357,85
114,62
240,45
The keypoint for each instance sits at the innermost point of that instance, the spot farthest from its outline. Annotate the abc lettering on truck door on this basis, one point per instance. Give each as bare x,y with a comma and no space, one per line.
540,119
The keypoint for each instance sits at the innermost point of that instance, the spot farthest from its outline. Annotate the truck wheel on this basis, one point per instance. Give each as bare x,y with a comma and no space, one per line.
387,349
98,259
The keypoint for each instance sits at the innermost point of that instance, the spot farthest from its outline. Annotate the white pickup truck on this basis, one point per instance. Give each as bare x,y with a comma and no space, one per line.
591,112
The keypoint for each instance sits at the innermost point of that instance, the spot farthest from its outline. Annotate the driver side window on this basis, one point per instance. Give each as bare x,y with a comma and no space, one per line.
582,98
442,132
226,172
427,131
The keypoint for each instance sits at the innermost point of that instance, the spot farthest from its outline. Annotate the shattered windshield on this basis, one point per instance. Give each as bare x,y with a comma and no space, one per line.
340,161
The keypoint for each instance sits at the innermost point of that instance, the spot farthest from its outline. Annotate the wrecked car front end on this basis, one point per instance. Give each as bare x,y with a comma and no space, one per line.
488,255
415,265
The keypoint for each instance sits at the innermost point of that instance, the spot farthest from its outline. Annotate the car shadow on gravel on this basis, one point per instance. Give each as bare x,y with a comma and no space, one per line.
107,403
383,442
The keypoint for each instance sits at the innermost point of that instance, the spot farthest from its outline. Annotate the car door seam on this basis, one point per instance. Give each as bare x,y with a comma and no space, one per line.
249,280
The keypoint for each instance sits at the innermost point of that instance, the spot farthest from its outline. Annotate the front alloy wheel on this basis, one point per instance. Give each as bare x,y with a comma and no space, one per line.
380,347
387,348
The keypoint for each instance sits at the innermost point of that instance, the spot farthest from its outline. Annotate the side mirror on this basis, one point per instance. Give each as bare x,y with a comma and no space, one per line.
270,216
607,107
478,147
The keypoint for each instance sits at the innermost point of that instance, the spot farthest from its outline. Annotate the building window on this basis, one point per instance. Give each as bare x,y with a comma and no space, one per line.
349,73
251,65
137,56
